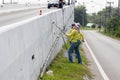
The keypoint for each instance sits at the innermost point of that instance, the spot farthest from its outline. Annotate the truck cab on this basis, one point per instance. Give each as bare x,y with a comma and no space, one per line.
55,3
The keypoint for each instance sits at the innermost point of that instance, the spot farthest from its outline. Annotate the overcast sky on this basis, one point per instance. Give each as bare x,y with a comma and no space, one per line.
97,5
92,6
23,1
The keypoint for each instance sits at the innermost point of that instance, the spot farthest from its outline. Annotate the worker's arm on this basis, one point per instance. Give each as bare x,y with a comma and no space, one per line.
70,34
82,37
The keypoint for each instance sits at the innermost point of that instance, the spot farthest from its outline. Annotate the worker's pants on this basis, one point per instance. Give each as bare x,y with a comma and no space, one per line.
74,46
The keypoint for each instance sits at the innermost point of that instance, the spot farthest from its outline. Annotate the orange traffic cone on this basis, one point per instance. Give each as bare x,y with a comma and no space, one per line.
40,11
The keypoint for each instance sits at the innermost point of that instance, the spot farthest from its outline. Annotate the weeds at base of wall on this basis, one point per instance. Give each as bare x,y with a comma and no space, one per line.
62,69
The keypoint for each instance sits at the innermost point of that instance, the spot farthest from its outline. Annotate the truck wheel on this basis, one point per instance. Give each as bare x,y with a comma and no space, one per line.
60,5
49,6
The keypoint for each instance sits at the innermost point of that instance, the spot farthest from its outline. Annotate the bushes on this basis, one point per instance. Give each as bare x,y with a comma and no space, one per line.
93,26
118,32
113,27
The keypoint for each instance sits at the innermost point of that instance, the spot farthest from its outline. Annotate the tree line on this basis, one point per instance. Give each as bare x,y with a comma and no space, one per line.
107,17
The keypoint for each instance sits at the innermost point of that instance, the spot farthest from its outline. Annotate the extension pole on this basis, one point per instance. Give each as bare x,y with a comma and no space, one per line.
46,61
62,35
64,42
59,28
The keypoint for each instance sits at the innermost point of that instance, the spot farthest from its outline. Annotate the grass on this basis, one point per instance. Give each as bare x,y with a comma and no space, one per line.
112,36
65,70
87,28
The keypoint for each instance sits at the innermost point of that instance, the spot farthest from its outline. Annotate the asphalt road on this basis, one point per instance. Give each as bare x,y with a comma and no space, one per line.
107,51
16,16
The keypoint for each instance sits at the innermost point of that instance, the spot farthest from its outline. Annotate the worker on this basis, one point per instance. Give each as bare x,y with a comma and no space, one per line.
80,35
61,3
74,46
71,31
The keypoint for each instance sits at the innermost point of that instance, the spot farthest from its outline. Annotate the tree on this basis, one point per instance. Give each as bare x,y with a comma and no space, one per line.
109,20
80,15
113,27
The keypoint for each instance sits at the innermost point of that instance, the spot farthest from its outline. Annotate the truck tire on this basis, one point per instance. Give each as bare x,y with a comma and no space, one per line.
60,5
49,6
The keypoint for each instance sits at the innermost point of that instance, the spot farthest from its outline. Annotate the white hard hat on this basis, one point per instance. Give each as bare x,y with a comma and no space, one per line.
78,24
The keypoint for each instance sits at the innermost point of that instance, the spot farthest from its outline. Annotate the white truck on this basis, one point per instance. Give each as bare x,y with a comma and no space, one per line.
55,3
60,3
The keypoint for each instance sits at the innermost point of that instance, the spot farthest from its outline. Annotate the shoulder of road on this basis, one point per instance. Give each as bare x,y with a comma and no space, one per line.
92,65
12,8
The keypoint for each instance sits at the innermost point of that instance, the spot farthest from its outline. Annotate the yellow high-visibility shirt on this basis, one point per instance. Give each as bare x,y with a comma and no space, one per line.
73,35
80,36
70,30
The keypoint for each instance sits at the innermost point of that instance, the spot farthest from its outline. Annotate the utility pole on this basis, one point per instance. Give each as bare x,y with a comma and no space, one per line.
83,17
2,1
71,1
105,23
68,2
105,20
11,1
110,4
118,9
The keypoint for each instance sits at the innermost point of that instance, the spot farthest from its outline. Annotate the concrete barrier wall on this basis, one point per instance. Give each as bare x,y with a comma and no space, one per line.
25,46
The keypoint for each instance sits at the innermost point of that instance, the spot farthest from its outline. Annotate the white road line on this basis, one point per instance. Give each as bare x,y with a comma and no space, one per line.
105,77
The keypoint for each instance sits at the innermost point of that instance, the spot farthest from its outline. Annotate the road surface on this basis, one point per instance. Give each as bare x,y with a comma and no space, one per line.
16,16
107,52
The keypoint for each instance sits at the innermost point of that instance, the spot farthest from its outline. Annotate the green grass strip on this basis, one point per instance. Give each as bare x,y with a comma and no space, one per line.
65,70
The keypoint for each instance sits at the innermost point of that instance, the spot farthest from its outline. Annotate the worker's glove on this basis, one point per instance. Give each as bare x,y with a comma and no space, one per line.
83,41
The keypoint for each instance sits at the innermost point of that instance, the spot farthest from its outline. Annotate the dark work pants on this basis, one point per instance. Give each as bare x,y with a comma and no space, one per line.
74,47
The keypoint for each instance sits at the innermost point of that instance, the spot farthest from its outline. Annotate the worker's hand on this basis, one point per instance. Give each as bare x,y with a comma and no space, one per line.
83,41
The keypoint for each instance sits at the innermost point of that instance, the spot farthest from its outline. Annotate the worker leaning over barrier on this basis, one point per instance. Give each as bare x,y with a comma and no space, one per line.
74,36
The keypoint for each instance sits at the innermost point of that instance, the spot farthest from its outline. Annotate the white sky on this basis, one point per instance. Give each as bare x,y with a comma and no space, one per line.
24,1
93,6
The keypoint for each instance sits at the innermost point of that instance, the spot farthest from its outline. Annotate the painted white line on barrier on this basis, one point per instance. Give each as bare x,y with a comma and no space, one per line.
105,77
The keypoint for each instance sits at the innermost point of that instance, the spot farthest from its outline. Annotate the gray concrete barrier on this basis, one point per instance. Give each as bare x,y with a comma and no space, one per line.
24,46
